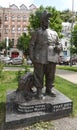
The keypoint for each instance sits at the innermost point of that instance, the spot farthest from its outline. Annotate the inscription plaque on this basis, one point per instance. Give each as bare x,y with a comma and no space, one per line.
35,108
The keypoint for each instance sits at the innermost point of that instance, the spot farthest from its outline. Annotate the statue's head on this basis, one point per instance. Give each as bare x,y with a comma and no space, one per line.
44,19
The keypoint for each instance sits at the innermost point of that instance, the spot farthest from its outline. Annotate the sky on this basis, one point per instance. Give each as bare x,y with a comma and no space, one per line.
58,4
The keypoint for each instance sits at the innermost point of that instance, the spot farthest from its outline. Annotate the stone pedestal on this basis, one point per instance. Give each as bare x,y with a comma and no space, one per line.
36,110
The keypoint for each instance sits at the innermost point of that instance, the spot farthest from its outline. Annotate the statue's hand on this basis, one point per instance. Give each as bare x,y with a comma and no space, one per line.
57,49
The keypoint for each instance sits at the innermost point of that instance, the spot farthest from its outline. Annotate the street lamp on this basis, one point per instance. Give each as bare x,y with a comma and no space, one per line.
71,31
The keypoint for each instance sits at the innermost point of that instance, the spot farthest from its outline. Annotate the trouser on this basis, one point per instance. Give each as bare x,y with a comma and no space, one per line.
47,70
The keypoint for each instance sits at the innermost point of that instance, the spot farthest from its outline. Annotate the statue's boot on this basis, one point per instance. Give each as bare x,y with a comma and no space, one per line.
39,94
49,92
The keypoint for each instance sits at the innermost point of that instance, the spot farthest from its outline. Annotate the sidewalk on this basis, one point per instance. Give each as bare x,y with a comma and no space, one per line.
67,123
68,75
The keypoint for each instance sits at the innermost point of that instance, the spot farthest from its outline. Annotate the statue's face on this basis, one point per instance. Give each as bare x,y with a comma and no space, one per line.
44,24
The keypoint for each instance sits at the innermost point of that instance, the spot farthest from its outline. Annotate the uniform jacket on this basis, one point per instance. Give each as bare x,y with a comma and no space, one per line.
40,41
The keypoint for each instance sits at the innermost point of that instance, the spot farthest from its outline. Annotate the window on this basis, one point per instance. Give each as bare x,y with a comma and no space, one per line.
18,18
6,30
6,18
13,18
24,29
12,41
65,43
65,53
24,18
19,29
13,29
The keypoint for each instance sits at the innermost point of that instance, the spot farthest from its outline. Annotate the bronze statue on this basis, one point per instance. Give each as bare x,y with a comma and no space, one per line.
44,52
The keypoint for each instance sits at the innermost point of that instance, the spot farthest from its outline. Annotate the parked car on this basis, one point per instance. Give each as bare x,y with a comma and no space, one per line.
5,59
14,61
8,61
17,61
60,60
65,60
74,58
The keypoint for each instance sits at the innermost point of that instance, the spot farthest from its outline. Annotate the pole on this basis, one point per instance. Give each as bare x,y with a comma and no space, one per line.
7,44
71,31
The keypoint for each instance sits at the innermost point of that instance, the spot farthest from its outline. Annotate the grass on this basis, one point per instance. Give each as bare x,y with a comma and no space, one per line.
9,81
22,65
69,89
70,68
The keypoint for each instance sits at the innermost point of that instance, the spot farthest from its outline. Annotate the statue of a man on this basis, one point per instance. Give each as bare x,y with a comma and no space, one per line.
44,54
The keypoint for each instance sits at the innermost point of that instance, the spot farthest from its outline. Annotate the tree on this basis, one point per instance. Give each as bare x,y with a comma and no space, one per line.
2,45
23,43
74,40
34,18
11,43
55,20
67,15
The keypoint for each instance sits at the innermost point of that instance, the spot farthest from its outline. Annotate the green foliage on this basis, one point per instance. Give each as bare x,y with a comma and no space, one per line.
55,20
2,45
34,19
74,40
1,69
18,76
66,16
27,69
11,43
23,43
41,126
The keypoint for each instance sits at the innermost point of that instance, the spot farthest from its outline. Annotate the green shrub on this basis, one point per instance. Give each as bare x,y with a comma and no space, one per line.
1,69
18,75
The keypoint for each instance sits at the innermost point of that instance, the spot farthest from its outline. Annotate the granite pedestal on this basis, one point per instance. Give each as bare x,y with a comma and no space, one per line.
36,110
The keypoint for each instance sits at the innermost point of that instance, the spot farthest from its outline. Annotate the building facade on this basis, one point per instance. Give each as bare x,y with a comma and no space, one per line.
66,32
14,21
